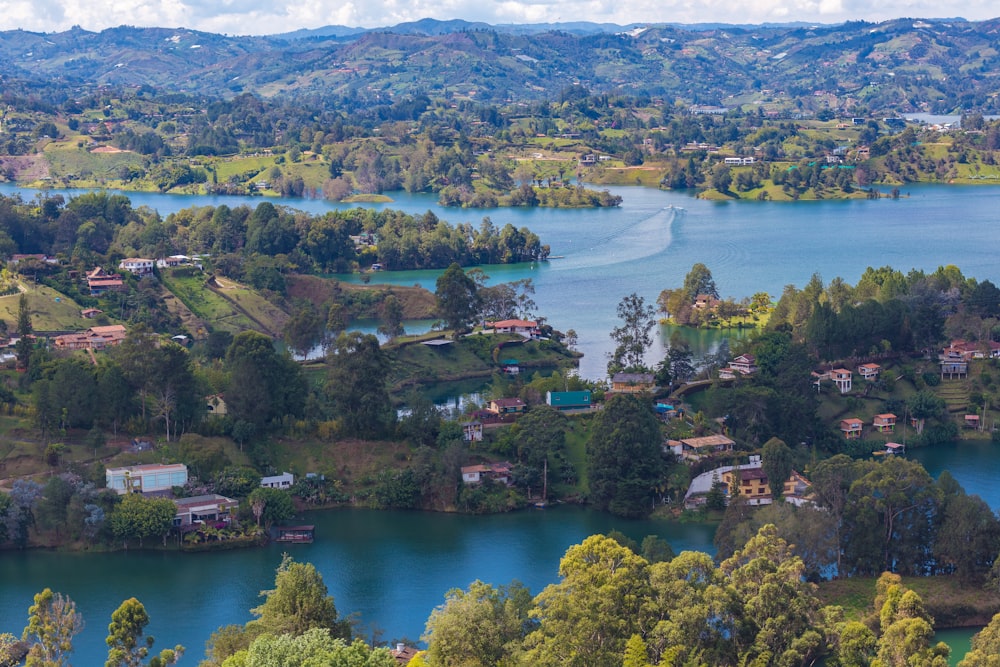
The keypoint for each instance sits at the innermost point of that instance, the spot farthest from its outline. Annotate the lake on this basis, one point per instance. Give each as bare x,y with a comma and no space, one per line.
390,567
652,240
393,568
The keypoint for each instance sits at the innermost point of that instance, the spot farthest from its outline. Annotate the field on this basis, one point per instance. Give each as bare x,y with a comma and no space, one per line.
50,310
226,305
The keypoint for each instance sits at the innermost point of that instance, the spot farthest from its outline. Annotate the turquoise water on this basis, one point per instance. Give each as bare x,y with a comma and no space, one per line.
393,568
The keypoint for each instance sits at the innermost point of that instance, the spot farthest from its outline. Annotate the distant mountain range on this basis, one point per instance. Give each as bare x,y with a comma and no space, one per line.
906,65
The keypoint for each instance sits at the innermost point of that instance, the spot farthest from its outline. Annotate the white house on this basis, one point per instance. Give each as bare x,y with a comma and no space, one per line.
147,478
137,265
282,481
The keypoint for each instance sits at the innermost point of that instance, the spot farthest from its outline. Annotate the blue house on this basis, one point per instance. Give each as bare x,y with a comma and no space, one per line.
568,400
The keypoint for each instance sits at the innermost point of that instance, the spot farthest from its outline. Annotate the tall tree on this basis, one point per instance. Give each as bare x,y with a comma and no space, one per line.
598,604
481,626
356,385
24,329
53,621
633,336
127,647
457,298
297,603
625,456
264,385
699,281
776,460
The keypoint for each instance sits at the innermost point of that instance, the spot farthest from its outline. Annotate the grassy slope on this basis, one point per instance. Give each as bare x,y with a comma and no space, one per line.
47,314
229,306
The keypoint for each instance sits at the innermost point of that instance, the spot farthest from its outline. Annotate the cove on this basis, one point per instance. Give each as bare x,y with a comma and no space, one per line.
390,567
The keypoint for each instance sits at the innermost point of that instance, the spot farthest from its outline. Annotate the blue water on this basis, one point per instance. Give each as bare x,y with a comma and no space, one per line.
646,246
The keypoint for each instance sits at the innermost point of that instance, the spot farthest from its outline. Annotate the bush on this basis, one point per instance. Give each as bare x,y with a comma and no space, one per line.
931,379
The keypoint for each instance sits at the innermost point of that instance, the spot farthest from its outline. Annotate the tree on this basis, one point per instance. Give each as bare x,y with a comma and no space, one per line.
24,343
356,385
297,603
480,626
53,621
597,605
699,281
625,456
304,328
985,647
633,336
141,517
888,519
126,645
277,505
679,366
457,298
264,386
392,317
776,461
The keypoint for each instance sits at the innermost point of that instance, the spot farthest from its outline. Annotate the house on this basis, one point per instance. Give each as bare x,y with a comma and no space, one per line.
498,472
842,378
510,367
472,431
745,364
869,371
146,478
696,448
90,313
885,423
632,383
953,364
172,261
851,428
403,653
526,328
137,266
211,508
38,257
971,421
988,349
216,404
94,338
749,482
568,400
283,481
894,448
100,281
507,406
705,302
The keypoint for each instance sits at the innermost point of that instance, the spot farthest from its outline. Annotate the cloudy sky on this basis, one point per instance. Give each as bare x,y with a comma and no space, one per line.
256,17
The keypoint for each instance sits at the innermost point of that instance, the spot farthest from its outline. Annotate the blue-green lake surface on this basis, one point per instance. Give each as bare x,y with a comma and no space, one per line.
392,568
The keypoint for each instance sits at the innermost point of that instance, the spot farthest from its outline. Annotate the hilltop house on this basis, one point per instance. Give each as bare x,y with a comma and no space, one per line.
137,266
851,428
100,281
842,378
869,371
507,406
885,423
749,482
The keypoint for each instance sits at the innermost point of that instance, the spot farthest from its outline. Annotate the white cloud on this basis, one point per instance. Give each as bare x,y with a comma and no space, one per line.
275,16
